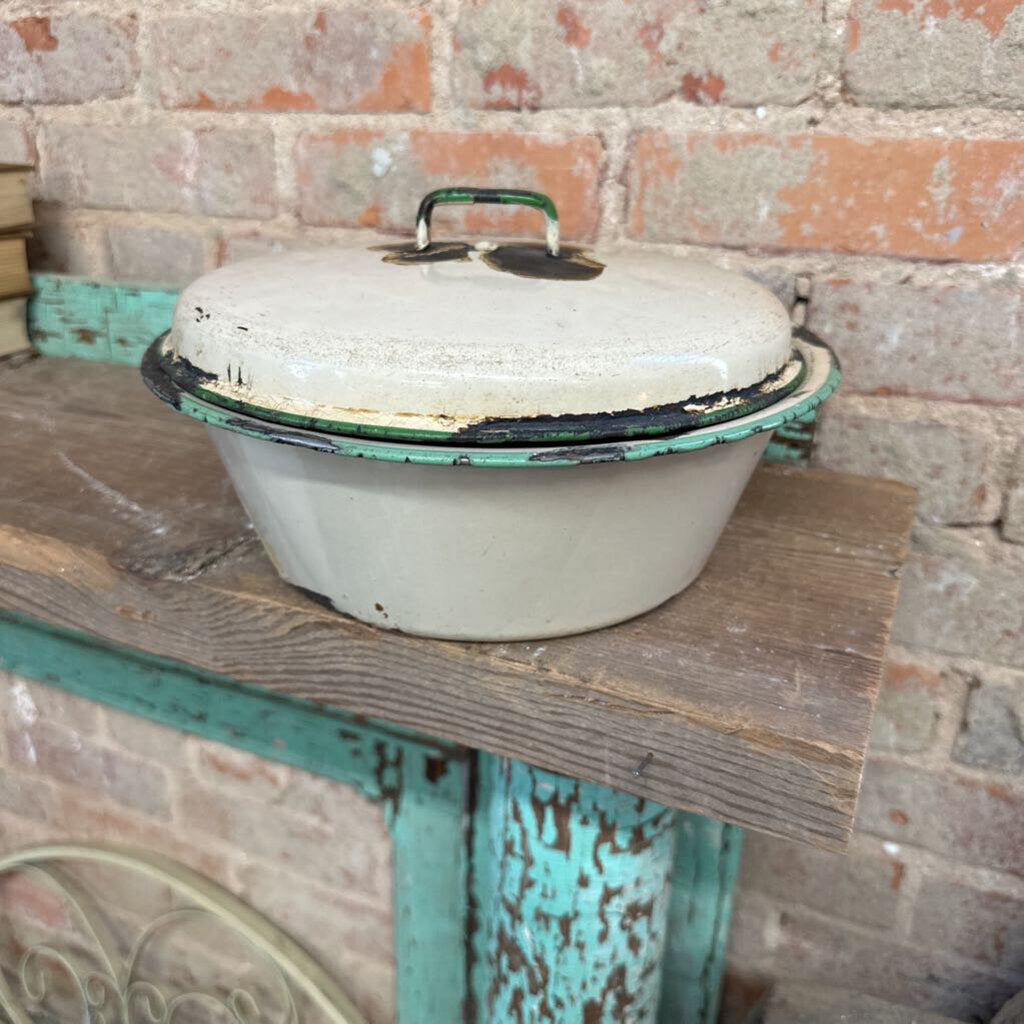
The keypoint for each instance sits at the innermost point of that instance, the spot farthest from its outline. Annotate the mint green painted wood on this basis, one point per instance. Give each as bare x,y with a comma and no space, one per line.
420,784
792,442
572,898
703,879
72,316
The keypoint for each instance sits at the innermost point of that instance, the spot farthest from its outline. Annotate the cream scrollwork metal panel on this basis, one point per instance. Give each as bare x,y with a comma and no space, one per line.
102,934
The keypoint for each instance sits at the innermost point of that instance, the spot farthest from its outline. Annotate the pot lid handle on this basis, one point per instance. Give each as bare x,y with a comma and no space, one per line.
505,196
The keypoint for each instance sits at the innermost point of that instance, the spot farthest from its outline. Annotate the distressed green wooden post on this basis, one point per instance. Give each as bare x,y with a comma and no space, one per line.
703,878
571,886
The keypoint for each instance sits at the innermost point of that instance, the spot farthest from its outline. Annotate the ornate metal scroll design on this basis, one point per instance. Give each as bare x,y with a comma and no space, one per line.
110,990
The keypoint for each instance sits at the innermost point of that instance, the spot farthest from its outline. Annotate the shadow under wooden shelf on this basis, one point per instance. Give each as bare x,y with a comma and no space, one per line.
752,692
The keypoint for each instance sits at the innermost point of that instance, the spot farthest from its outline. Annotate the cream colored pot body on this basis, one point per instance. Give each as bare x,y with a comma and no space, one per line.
471,553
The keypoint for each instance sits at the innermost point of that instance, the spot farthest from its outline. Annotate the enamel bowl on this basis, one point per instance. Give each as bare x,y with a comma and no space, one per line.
487,442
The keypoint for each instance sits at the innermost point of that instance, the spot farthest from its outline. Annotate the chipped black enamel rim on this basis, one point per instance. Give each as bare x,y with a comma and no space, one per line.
821,380
568,428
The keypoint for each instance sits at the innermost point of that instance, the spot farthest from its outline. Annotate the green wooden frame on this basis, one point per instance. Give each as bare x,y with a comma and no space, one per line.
420,784
444,858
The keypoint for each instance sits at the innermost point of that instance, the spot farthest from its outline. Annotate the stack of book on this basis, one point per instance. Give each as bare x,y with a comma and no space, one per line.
15,226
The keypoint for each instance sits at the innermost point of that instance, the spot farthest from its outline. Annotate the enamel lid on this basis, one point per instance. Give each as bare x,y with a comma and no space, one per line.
482,343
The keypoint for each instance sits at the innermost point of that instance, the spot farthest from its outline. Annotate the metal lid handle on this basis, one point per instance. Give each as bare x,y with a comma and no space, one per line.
505,196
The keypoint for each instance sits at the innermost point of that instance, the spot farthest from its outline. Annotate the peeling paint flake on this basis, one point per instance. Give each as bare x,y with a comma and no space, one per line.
35,34
570,853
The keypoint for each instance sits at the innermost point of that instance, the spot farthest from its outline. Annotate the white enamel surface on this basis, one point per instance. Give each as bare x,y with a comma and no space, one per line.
339,334
493,554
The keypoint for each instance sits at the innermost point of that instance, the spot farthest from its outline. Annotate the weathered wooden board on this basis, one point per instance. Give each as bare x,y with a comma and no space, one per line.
752,691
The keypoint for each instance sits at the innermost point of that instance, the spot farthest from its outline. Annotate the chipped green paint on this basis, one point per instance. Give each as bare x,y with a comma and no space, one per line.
571,894
703,879
503,458
72,316
793,442
420,784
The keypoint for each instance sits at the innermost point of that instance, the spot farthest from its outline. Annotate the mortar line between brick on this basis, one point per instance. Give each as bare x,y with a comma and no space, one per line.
869,932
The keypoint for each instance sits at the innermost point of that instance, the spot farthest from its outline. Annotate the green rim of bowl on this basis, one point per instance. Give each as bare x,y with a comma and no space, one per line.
819,382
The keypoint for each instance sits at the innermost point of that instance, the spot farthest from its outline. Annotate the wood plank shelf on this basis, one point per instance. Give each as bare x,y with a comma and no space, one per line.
748,698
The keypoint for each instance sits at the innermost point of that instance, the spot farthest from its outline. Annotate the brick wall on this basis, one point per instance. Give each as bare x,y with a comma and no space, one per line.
872,149
312,854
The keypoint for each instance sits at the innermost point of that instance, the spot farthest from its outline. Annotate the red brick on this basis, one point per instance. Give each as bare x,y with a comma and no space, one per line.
277,785
67,58
910,703
954,815
289,898
963,593
863,885
25,796
28,701
250,246
741,992
990,734
100,821
949,199
799,1003
155,255
786,943
62,242
351,855
1013,515
229,172
161,743
16,145
950,453
238,769
511,54
354,939
65,755
1013,511
958,341
357,57
981,924
896,48
375,179
28,899
16,831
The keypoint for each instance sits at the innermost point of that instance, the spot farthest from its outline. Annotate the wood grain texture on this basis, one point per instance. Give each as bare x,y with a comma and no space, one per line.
753,690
